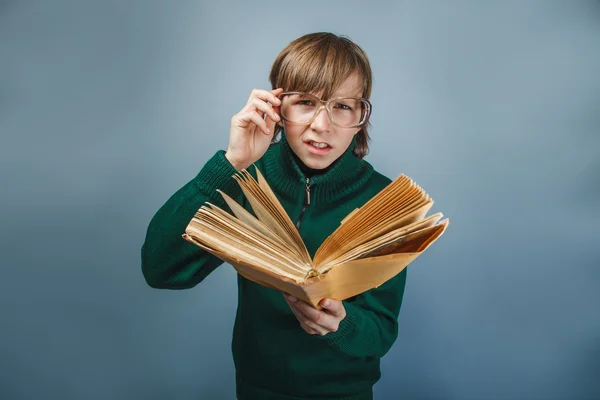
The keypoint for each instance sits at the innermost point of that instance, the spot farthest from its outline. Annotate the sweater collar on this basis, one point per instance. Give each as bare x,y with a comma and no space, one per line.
346,175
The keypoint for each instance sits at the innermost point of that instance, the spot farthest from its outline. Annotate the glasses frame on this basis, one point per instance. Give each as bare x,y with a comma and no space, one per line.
326,105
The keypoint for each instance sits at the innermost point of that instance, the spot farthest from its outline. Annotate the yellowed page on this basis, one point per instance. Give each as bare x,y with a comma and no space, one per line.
225,222
384,212
358,276
370,208
241,245
385,225
218,243
289,225
355,277
382,225
250,220
221,239
275,215
388,210
249,270
385,240
265,212
268,209
347,217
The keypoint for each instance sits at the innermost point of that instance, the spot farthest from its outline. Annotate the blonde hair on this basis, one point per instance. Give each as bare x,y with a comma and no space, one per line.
323,61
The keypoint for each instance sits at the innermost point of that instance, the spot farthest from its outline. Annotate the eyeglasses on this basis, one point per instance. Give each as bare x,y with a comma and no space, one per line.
345,112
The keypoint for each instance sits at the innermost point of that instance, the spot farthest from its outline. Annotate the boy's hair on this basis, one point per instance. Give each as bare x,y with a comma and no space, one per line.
323,61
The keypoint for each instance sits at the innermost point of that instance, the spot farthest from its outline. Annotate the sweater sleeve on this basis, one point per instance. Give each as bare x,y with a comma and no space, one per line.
168,260
371,323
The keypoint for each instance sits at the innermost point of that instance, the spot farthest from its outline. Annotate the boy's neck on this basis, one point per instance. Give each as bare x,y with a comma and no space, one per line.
310,172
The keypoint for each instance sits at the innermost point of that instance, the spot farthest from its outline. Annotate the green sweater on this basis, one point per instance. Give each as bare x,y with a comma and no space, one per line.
273,356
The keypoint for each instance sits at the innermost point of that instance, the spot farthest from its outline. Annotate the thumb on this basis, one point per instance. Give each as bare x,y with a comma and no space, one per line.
333,306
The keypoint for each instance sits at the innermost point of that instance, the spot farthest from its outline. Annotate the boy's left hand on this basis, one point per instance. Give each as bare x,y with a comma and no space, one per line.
314,321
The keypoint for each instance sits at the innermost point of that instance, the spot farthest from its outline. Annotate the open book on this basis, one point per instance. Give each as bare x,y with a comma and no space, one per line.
371,245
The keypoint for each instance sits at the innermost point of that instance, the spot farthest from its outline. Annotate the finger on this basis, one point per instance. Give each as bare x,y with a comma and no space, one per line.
292,306
265,108
320,318
251,116
271,123
305,323
334,307
265,96
309,330
296,313
277,92
295,309
301,318
302,321
317,328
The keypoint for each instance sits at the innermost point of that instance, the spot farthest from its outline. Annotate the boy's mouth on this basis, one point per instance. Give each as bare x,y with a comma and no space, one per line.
318,148
318,145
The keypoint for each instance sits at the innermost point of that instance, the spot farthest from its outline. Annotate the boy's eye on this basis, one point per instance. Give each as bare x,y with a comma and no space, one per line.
343,106
305,102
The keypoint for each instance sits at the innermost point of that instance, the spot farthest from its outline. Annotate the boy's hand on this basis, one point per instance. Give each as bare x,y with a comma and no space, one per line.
251,129
314,321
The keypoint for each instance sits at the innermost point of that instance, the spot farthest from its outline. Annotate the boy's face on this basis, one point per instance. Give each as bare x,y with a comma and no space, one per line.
321,130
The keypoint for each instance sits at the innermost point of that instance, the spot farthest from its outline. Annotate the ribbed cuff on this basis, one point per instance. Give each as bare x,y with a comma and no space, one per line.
346,328
218,173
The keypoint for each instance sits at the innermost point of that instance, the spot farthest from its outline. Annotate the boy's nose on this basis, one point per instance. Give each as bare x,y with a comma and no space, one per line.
321,121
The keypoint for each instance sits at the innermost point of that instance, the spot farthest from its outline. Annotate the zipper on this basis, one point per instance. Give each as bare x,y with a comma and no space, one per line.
306,204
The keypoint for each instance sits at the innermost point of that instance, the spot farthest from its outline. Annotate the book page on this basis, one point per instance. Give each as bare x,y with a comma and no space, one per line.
239,263
401,202
241,246
222,220
251,221
336,238
359,275
394,221
269,211
377,225
385,242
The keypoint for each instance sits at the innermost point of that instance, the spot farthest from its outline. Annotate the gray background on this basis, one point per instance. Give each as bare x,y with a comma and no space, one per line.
108,107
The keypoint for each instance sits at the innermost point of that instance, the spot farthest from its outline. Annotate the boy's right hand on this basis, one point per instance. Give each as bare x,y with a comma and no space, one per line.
250,133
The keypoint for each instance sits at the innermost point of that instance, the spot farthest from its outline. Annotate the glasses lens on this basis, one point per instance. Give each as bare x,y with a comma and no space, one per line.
301,108
348,112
